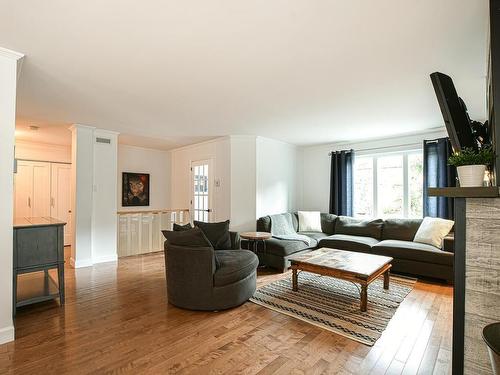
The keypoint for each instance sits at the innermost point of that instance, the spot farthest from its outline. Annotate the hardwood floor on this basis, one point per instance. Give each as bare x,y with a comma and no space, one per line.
116,320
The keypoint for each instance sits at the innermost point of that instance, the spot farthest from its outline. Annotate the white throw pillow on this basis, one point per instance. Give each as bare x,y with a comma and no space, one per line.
433,230
309,221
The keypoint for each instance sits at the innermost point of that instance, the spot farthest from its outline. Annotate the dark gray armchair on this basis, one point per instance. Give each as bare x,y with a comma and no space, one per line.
201,278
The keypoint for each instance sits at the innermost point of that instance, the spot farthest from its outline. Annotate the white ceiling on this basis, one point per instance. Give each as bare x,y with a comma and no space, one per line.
303,71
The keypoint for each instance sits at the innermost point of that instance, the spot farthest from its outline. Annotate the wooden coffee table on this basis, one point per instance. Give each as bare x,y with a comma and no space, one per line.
359,268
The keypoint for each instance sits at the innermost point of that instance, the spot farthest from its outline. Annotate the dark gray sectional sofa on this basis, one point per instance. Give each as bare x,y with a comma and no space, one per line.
391,237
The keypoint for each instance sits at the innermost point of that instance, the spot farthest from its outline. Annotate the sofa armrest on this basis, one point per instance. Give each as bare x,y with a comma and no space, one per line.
235,240
449,243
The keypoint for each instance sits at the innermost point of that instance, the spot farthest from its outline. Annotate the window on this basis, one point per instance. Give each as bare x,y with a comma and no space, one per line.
388,185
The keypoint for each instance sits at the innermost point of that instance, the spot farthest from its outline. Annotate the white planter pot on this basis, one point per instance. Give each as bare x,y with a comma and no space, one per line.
471,175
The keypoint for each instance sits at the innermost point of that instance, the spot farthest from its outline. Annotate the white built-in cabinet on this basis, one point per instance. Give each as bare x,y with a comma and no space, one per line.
44,189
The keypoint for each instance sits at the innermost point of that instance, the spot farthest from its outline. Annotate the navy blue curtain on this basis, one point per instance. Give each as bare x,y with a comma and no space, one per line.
437,173
341,182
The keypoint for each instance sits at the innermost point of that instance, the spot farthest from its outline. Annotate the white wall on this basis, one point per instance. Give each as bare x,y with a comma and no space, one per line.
219,152
144,160
243,183
257,176
104,218
43,151
276,177
8,79
314,167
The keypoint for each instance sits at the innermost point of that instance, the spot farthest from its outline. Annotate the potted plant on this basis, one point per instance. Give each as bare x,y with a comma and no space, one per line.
471,165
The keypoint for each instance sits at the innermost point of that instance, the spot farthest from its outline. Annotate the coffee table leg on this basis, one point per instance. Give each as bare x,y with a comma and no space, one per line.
364,298
294,280
386,279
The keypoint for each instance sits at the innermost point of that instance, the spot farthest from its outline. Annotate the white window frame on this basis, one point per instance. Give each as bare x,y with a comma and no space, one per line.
406,189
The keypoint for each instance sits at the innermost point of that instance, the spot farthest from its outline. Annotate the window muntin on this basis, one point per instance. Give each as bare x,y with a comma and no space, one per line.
388,185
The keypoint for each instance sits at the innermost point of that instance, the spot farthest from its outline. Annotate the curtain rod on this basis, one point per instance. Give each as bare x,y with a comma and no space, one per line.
381,148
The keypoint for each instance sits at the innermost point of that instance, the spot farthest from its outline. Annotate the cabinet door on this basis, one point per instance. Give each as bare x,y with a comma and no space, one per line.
61,197
23,189
41,189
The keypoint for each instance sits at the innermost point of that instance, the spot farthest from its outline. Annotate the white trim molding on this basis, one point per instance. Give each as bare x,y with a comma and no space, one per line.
13,55
7,334
105,259
10,54
80,263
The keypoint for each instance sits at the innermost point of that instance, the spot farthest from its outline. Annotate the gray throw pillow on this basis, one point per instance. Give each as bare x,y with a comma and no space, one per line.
179,227
217,234
191,237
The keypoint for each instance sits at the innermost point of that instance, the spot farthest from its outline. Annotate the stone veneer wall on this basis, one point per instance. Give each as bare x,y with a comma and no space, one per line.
482,285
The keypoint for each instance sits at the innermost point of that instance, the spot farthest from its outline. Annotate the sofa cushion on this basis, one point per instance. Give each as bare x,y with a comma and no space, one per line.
264,224
191,237
283,248
328,223
357,227
179,227
234,265
400,229
314,235
217,234
348,242
413,251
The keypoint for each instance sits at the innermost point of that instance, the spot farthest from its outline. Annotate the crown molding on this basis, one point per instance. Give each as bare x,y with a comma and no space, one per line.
10,54
81,126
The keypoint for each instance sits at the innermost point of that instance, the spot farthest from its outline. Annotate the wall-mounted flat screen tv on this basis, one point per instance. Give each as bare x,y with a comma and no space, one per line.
456,118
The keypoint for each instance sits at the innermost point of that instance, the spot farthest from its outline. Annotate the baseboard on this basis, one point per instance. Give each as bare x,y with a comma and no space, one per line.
7,334
105,259
80,263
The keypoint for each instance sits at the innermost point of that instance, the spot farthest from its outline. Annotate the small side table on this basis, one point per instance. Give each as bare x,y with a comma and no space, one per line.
254,238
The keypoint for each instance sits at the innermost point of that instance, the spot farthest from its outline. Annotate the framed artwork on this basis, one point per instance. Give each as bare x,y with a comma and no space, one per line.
135,189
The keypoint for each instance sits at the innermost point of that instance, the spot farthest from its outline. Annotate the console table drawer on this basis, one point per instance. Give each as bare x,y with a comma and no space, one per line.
37,246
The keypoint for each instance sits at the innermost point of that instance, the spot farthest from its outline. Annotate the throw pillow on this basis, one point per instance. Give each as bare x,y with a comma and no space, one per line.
192,237
433,230
179,227
309,221
217,234
358,227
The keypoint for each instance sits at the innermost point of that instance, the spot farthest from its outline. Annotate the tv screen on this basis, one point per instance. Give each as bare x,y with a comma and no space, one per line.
456,118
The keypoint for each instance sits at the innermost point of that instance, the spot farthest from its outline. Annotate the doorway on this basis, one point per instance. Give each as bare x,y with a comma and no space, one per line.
43,189
201,183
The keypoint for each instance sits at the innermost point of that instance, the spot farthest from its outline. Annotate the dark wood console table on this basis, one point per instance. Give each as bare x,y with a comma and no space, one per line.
39,246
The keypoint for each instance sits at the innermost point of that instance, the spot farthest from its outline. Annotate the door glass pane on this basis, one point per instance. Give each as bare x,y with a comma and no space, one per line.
390,186
415,185
363,187
200,191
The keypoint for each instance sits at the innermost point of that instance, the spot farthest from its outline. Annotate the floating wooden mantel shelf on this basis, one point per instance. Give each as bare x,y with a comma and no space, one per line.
465,192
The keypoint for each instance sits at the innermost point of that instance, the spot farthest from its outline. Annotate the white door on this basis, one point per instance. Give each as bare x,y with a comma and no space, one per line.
201,202
60,197
41,189
23,189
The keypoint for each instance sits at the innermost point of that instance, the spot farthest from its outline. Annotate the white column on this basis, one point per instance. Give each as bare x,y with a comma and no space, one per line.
82,163
9,61
104,219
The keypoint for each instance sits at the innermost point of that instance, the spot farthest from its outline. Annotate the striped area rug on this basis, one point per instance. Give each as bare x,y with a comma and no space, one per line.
333,304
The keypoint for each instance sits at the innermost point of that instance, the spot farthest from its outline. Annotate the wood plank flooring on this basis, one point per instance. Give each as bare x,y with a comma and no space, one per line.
117,320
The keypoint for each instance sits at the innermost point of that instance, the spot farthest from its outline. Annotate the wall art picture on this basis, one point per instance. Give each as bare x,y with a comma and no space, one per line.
135,189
